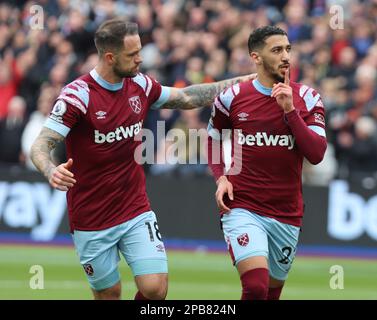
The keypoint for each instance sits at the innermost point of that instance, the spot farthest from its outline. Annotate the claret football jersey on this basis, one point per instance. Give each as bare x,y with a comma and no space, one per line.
100,121
269,180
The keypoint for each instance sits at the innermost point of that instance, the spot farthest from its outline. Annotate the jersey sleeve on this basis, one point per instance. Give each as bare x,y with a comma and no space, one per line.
220,115
156,94
220,120
69,107
315,115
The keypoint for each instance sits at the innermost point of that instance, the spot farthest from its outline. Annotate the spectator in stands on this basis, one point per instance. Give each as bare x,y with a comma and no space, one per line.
37,119
11,128
341,63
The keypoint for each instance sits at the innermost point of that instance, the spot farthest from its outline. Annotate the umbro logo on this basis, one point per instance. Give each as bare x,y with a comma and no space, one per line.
101,114
243,116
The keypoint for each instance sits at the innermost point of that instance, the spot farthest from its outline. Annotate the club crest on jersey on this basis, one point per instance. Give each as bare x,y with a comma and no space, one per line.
243,239
135,103
88,269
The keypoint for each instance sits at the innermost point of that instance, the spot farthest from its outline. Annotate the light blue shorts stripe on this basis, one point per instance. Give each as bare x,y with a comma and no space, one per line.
248,234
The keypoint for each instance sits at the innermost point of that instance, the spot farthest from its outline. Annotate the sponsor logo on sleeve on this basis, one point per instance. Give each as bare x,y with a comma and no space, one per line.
318,118
58,110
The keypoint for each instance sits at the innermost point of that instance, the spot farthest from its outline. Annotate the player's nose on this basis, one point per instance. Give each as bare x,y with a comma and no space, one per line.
285,56
138,59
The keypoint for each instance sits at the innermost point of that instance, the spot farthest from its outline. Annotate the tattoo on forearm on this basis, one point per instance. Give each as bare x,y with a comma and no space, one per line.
180,101
200,95
41,150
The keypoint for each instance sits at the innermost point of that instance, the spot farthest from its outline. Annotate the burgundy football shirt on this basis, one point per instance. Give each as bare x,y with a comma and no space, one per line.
269,180
100,121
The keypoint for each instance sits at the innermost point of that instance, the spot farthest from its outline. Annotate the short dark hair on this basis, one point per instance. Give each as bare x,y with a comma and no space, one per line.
110,34
258,36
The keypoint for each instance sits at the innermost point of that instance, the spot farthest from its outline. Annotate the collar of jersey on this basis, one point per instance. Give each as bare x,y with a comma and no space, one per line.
105,84
262,89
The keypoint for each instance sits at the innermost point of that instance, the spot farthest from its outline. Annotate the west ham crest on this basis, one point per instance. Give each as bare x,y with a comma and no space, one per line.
243,239
135,103
88,269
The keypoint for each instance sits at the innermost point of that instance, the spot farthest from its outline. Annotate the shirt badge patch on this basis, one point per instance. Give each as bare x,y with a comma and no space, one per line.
243,239
57,112
319,118
135,103
88,269
59,108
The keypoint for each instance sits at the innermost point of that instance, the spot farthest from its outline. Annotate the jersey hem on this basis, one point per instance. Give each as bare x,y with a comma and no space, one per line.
110,225
294,221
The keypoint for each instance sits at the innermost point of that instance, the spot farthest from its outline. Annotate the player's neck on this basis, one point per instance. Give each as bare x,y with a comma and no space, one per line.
264,80
107,74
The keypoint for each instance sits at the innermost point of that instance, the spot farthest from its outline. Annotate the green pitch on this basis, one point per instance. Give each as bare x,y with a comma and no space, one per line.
193,275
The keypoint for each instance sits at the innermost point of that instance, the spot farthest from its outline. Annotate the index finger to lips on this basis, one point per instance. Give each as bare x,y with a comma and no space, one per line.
286,77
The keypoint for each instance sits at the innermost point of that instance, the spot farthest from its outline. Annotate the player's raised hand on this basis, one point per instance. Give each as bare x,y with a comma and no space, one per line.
283,94
61,177
223,187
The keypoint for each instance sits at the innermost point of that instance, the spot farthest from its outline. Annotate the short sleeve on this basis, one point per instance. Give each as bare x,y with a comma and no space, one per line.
156,94
69,107
315,115
219,119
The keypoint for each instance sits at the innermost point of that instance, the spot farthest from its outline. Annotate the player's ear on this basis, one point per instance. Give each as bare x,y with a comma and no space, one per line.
256,57
109,58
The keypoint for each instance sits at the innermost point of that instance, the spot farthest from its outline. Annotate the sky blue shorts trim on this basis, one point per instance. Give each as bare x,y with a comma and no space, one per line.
149,267
107,281
248,234
137,240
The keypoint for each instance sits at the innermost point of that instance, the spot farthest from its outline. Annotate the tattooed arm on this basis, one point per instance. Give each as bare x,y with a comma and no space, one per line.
59,176
200,95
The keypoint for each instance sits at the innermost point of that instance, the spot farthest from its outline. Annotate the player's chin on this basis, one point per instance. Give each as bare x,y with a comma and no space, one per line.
133,73
136,70
129,74
279,76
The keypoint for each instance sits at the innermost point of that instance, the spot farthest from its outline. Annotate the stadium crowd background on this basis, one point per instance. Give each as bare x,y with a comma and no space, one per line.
187,42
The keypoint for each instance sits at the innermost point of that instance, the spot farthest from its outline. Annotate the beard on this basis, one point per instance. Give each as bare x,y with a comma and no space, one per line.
272,72
122,73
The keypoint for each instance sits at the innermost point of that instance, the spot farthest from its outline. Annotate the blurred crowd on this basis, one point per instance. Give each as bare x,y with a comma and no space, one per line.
187,42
